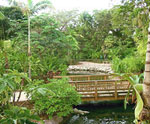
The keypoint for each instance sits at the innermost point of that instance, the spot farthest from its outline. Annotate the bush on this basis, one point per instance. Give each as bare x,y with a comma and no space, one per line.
128,65
55,98
18,115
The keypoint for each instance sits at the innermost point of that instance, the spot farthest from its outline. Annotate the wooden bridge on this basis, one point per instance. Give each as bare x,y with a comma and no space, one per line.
98,87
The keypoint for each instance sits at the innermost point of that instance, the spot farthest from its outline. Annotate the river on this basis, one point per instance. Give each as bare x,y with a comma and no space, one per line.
103,113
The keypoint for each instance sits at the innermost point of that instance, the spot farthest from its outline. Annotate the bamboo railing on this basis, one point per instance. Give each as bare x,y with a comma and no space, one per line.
98,87
85,77
99,90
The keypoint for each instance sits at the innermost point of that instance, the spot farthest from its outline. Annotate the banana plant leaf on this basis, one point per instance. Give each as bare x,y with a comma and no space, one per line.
139,105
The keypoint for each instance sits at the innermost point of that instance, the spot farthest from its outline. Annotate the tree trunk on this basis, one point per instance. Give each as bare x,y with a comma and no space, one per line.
6,61
29,47
145,114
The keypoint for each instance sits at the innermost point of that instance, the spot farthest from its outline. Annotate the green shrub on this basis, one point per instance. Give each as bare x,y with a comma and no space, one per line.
128,65
18,115
9,83
55,98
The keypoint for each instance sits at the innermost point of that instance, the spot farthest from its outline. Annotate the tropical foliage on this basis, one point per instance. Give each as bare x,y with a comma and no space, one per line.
18,115
34,43
48,54
55,98
136,87
119,32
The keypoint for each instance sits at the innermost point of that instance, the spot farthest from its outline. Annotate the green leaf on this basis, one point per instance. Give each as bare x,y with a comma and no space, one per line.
127,96
6,121
139,87
2,87
11,84
15,113
139,105
1,16
30,4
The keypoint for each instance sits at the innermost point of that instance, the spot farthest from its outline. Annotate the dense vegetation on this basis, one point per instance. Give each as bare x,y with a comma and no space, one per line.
118,35
48,55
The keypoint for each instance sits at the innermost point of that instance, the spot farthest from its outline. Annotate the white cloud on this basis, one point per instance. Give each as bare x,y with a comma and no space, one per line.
82,5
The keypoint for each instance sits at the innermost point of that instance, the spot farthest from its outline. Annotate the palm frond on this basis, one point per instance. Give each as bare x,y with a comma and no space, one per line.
41,5
12,2
30,4
9,1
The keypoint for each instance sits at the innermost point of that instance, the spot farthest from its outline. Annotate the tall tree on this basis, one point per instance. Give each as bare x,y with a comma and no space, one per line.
146,85
30,9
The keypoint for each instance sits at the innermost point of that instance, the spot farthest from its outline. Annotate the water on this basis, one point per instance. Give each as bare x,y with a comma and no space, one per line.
103,113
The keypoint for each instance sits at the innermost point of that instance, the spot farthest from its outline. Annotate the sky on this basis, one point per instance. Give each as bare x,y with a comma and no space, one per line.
82,5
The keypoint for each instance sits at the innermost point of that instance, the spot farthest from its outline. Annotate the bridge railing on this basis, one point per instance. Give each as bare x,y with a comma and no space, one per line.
85,77
101,89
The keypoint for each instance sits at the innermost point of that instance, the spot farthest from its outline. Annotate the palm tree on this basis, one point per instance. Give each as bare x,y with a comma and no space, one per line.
145,114
30,9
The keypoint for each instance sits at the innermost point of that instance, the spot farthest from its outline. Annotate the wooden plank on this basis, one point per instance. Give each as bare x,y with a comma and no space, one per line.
88,90
95,90
103,98
70,76
98,81
116,90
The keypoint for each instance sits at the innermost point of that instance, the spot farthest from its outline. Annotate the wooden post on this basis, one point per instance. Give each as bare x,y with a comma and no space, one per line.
88,78
116,90
105,78
96,91
76,86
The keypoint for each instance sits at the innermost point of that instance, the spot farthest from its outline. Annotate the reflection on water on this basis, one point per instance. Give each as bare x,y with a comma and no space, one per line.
113,113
